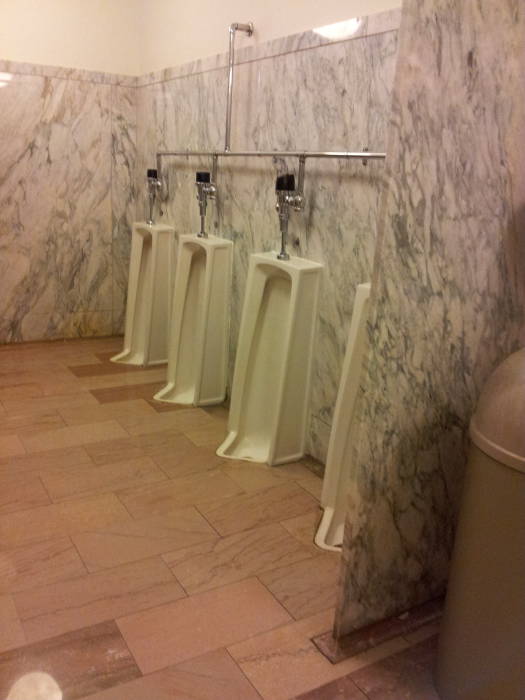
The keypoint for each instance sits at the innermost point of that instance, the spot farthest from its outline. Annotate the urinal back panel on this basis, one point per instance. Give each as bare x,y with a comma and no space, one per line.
161,274
149,296
270,392
265,367
187,364
216,327
290,442
139,319
197,366
333,499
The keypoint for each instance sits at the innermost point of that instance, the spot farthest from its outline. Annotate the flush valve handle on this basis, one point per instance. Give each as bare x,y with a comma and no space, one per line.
285,191
205,189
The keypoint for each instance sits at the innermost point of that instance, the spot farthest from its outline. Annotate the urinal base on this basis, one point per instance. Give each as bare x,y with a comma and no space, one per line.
169,395
228,452
123,359
323,533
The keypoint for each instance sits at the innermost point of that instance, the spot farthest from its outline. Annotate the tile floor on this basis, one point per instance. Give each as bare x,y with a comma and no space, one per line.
135,563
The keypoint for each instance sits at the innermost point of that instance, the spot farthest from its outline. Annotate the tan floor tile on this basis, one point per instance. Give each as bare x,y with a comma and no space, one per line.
59,519
95,480
39,564
194,626
70,457
149,445
314,486
128,392
99,368
219,562
53,402
137,539
306,587
284,662
190,490
179,421
79,663
96,413
52,610
11,631
10,446
21,492
20,391
260,508
219,412
211,435
304,527
253,477
214,676
183,458
144,376
74,435
29,424
35,376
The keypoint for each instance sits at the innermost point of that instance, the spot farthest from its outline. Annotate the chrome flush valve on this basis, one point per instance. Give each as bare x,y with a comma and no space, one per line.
286,200
154,185
205,189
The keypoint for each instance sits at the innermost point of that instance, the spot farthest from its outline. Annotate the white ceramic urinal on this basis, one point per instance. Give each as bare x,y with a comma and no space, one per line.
149,295
333,498
198,352
269,403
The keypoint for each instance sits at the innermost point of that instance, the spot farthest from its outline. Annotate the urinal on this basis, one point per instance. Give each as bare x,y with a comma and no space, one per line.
149,295
333,497
198,350
271,383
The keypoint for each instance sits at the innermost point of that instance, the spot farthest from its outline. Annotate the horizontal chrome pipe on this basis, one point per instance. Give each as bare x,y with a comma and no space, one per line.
342,155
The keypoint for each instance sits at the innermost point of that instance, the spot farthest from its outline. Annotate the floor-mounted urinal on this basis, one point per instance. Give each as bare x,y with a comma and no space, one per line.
269,402
333,498
149,295
198,349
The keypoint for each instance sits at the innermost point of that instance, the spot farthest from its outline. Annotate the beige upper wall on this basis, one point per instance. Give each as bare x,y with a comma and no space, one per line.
181,31
132,37
99,35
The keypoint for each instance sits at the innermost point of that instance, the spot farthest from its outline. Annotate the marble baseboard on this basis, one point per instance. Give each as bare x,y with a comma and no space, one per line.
336,650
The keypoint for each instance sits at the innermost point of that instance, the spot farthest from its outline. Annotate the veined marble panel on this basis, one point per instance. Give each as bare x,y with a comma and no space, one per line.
333,96
123,194
59,72
449,300
56,244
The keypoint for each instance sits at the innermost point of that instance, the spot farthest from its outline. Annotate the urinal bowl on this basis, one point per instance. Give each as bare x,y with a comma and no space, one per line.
149,295
198,349
271,385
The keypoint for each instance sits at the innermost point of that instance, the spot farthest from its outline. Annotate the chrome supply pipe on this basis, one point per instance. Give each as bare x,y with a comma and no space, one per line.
341,155
234,27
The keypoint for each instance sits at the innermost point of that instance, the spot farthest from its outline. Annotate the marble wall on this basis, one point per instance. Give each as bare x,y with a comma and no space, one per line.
301,92
67,155
449,294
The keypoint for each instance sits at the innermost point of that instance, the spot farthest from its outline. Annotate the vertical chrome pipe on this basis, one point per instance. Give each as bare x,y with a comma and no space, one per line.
234,27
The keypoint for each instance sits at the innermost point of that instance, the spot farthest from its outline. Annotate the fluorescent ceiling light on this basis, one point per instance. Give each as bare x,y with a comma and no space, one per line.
340,30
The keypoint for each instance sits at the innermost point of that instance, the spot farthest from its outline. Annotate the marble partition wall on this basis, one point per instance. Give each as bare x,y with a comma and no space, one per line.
67,152
448,300
299,93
